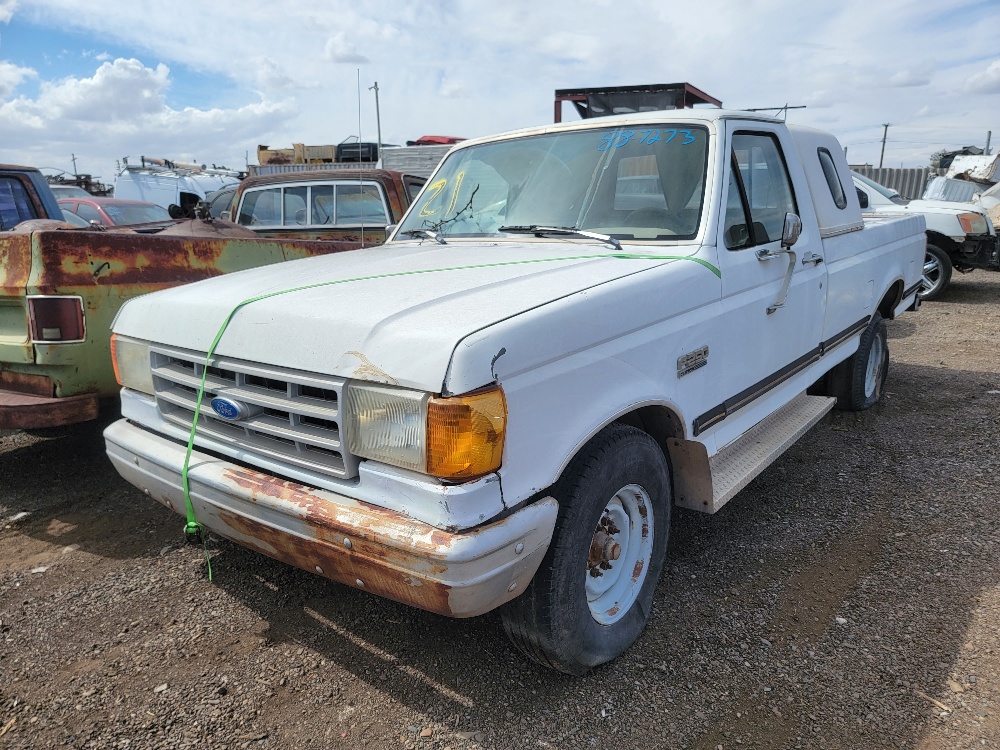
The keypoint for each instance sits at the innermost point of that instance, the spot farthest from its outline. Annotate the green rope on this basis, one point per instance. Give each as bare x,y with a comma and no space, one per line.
193,529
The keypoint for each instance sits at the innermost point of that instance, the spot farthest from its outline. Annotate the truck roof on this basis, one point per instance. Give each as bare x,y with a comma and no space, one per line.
706,115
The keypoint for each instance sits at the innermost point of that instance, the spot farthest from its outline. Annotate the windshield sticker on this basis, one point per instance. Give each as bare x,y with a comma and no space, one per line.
619,138
433,191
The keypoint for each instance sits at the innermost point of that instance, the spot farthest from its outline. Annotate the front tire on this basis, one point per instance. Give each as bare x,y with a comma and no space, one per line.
937,273
590,599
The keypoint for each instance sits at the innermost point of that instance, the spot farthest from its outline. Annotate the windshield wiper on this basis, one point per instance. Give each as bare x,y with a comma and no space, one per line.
540,231
426,233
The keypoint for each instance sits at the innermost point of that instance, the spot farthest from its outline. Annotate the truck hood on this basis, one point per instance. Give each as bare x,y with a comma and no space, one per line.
942,207
393,313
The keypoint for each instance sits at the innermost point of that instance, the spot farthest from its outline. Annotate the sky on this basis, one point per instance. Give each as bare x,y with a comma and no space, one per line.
209,82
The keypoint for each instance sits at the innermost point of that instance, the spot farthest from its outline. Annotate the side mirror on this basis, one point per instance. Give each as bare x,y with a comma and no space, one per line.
862,197
225,216
389,229
791,231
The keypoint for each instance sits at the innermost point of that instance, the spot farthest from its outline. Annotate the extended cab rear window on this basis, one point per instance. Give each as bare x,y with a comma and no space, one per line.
341,204
832,178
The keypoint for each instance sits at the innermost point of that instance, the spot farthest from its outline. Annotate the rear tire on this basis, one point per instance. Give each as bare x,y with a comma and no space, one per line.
937,273
591,597
859,382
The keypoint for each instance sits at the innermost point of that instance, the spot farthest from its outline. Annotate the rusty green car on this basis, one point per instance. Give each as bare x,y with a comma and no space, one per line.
61,286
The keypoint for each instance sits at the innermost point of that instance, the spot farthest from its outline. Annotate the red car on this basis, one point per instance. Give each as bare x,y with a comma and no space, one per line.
114,212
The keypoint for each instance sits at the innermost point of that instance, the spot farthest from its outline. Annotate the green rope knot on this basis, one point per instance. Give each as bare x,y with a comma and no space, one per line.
193,532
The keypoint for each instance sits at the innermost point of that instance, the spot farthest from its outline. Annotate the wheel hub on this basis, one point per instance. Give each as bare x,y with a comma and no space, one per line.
604,549
619,554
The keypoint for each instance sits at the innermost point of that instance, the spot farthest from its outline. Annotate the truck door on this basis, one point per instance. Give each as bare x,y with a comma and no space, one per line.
770,334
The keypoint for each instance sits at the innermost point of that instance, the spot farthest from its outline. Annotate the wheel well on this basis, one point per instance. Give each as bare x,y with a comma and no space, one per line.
943,241
657,421
890,299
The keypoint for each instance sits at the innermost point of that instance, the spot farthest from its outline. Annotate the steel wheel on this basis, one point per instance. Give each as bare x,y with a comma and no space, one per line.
619,555
873,369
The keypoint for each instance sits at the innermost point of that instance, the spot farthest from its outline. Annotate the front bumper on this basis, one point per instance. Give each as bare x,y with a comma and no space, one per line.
979,251
358,544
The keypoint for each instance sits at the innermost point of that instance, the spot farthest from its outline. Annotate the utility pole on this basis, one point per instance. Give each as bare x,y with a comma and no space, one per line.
989,135
73,156
885,132
378,119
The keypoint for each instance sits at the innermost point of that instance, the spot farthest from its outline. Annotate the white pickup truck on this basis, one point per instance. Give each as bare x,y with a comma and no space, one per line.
960,236
573,328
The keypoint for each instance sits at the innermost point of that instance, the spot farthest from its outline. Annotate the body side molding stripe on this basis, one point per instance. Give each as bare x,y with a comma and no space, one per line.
731,405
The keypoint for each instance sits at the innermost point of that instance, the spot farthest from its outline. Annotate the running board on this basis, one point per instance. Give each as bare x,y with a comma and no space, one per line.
706,484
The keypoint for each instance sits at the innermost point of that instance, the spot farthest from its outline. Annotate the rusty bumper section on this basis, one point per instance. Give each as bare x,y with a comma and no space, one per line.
24,411
354,543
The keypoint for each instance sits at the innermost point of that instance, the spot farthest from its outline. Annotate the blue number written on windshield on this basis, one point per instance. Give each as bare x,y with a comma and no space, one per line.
619,138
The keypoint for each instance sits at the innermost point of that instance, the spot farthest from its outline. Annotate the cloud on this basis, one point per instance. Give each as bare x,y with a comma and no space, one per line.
11,76
453,88
339,50
7,8
270,75
986,81
906,78
571,46
122,110
117,91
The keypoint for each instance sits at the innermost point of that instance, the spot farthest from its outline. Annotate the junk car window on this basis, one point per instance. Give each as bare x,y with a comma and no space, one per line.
644,182
294,206
89,213
321,198
15,206
360,203
128,214
261,207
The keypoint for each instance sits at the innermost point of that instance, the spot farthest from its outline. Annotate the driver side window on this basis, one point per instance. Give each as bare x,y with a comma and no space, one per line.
760,191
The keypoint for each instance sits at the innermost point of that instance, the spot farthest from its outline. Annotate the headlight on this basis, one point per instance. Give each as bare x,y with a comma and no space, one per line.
452,438
131,361
973,223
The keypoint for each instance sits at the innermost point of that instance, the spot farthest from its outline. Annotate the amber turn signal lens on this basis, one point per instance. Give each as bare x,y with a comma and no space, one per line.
465,434
114,359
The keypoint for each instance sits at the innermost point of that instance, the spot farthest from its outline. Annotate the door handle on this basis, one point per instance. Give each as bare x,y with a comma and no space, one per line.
811,259
770,255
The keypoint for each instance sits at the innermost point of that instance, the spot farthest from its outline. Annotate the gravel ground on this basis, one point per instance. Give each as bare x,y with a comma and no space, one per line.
848,598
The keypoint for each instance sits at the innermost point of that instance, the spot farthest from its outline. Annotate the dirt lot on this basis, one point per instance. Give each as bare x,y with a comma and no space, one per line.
848,598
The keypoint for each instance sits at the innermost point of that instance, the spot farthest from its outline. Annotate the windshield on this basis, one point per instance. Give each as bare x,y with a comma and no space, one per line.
131,213
947,189
645,182
881,189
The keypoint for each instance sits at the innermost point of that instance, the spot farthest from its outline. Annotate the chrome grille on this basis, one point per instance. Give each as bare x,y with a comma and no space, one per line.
294,417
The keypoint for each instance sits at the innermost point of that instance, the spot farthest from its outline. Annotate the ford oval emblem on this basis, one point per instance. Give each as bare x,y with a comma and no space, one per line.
229,409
